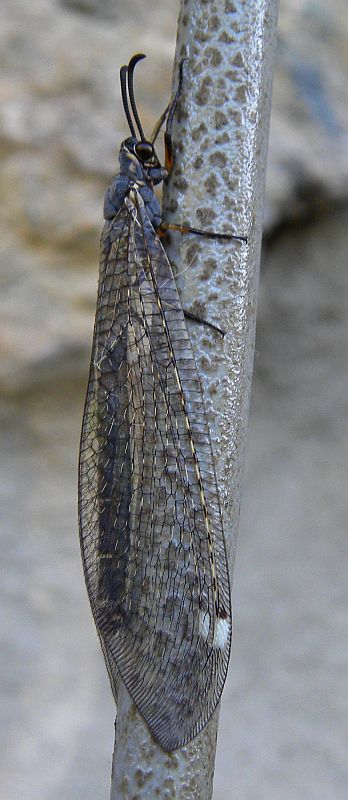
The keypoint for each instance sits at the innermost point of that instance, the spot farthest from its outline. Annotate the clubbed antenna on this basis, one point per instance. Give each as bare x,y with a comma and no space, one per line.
131,67
123,79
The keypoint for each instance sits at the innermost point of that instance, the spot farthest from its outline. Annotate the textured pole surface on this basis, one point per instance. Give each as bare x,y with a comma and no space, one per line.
220,138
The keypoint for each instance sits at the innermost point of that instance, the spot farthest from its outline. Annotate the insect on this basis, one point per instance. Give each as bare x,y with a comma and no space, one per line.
151,532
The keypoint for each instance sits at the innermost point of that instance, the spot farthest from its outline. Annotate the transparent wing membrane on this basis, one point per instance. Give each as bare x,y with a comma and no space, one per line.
150,522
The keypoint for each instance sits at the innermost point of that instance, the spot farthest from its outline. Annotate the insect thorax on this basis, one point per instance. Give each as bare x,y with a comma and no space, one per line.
134,175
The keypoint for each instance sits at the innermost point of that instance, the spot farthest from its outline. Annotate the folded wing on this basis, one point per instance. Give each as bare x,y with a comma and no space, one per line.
150,521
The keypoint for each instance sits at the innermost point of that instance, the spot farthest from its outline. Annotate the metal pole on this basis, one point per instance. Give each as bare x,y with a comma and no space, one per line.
221,138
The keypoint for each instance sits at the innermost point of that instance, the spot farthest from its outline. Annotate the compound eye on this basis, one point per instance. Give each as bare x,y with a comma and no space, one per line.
144,151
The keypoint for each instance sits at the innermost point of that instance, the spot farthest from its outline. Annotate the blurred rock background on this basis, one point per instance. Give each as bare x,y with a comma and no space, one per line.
284,719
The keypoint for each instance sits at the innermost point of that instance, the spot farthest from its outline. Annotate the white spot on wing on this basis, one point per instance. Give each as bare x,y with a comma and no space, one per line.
221,633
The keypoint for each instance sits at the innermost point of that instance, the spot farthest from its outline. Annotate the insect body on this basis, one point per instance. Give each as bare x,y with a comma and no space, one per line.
150,522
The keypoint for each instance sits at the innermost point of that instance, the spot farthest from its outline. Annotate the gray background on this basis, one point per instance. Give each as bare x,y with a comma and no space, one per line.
284,717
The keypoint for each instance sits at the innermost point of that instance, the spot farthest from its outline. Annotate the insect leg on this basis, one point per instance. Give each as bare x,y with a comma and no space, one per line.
159,124
162,231
168,144
172,226
196,318
169,160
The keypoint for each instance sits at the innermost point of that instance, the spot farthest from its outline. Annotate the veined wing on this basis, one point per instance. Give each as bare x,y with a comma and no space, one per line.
150,521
